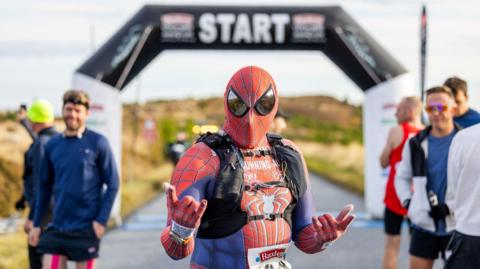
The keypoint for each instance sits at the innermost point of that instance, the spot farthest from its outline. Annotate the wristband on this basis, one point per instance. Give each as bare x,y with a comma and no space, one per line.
179,240
182,231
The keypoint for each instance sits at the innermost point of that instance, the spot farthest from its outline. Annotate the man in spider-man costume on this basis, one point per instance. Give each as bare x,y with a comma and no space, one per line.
244,195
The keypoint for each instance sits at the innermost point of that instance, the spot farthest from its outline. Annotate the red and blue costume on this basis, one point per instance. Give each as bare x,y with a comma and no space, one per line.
251,102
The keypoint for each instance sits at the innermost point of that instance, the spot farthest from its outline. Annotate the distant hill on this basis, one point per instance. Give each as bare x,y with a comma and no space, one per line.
311,118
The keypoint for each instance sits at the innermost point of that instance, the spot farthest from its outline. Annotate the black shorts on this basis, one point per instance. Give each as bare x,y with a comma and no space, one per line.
465,252
77,245
426,245
392,222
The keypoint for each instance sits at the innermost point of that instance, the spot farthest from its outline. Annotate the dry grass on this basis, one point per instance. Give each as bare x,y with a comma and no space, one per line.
340,164
13,251
138,192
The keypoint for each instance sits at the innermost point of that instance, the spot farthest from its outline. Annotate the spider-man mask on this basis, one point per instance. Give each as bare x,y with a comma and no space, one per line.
250,104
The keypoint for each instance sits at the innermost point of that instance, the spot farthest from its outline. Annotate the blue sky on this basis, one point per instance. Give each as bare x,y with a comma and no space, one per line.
43,42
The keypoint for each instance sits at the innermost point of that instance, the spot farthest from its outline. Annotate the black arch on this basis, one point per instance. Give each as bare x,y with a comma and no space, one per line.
144,36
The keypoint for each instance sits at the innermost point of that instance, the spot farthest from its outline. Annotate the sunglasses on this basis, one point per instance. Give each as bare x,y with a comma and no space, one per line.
76,101
238,107
438,108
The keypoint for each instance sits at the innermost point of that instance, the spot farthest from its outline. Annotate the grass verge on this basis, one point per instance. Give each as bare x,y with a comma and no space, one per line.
347,177
136,193
13,251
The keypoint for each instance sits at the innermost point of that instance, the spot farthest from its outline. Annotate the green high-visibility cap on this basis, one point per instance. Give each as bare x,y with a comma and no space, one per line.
41,111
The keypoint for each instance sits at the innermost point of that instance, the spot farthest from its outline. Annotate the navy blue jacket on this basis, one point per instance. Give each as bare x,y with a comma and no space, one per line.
471,117
33,161
75,170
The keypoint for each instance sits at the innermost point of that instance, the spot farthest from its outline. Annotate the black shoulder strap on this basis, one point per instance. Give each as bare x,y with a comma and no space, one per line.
291,164
216,142
223,215
274,139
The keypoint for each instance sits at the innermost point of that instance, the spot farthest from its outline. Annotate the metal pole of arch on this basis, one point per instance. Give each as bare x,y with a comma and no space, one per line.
423,55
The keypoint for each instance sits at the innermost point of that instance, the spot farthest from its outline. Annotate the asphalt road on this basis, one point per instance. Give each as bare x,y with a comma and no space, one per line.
137,245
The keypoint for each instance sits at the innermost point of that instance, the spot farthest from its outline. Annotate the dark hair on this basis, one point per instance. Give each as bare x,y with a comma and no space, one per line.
456,84
440,89
76,97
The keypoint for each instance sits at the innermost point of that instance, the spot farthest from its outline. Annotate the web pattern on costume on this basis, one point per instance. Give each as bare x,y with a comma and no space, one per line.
307,240
261,233
250,86
198,162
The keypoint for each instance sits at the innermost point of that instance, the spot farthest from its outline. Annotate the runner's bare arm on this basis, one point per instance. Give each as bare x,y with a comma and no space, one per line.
394,139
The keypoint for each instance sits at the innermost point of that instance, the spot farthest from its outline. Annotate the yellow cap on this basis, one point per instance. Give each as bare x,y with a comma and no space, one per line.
41,111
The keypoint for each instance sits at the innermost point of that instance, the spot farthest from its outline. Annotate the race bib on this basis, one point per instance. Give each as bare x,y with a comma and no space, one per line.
271,257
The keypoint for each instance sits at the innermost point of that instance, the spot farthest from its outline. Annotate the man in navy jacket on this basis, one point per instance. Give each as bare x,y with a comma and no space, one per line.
76,166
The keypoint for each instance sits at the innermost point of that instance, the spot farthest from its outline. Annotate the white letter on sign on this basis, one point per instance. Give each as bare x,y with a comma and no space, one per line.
208,31
242,29
226,20
261,28
280,20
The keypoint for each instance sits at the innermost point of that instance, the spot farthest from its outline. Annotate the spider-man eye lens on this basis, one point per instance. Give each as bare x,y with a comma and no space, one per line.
235,104
265,104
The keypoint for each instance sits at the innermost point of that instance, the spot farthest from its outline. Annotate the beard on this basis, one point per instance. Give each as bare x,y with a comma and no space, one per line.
72,125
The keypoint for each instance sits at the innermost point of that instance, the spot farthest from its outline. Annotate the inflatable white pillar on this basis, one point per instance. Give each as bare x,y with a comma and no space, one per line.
378,117
106,118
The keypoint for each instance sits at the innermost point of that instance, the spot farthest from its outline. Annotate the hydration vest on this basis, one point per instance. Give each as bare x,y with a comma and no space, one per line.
224,215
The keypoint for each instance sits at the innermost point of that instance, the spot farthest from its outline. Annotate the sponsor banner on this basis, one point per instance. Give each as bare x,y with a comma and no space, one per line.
378,117
308,28
177,27
106,118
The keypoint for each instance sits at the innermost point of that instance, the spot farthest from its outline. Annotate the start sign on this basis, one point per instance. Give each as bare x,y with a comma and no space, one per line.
243,28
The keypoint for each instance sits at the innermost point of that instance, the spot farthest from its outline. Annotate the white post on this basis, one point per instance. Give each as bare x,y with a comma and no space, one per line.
378,117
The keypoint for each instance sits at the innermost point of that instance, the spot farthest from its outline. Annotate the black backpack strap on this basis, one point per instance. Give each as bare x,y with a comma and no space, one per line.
223,215
291,165
257,187
271,216
274,139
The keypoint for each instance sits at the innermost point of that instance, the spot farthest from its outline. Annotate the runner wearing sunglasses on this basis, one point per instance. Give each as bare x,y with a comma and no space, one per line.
238,198
424,165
